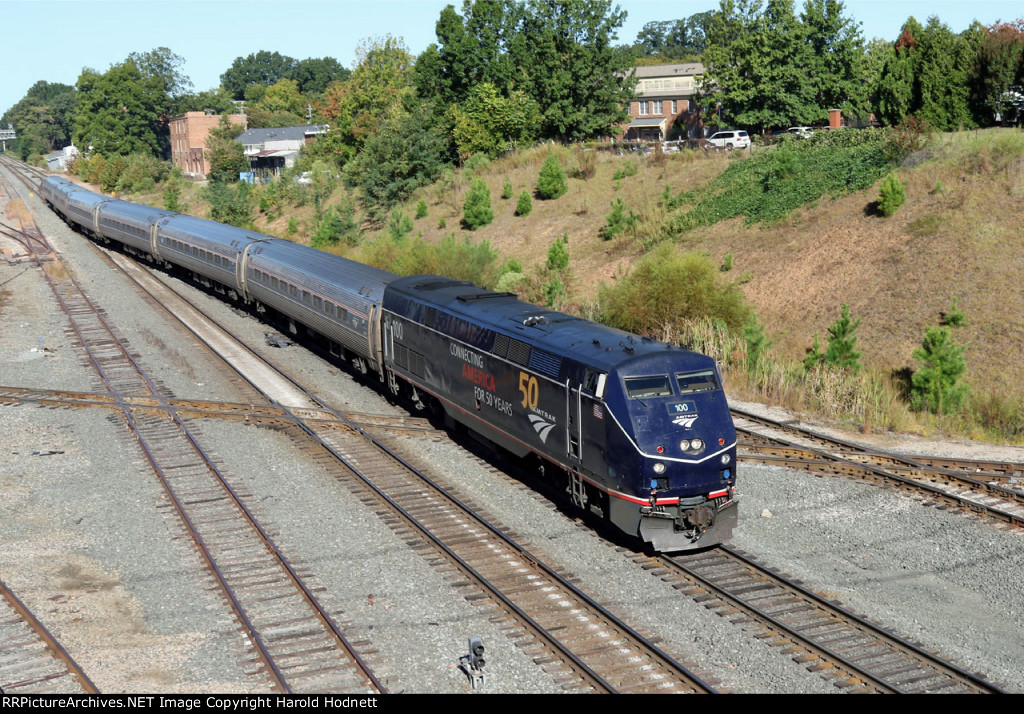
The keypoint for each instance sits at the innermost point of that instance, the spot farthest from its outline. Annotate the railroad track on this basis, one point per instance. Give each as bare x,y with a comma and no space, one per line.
581,644
298,643
31,659
847,649
972,486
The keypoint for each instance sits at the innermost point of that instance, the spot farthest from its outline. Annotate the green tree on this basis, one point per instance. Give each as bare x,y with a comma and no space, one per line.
42,119
214,101
841,350
337,226
524,206
231,204
999,67
476,210
377,88
314,75
928,75
472,49
489,123
558,254
674,40
570,67
263,67
836,56
617,221
405,152
935,385
552,182
891,195
117,112
226,156
399,224
768,68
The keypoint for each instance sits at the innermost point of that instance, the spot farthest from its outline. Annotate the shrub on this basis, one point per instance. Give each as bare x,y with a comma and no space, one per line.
769,185
891,196
727,263
111,173
506,189
552,181
141,172
421,209
586,163
460,260
476,163
558,254
524,205
231,204
399,224
617,221
666,289
337,225
172,192
626,170
477,208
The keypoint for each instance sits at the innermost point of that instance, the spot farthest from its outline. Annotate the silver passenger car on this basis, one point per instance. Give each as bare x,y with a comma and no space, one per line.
335,297
209,249
130,223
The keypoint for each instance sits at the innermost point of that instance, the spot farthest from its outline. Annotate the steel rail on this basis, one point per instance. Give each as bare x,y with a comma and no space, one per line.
48,639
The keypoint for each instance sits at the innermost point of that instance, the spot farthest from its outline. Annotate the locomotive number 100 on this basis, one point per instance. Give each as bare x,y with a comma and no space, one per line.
528,386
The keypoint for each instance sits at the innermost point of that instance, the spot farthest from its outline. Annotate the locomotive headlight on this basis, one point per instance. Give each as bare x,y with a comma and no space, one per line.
696,444
726,459
659,468
684,445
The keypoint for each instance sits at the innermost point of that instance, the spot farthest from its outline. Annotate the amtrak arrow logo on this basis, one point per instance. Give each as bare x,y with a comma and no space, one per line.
685,421
542,426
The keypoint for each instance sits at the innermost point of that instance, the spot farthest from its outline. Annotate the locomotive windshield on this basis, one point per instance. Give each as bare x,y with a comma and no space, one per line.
692,382
655,385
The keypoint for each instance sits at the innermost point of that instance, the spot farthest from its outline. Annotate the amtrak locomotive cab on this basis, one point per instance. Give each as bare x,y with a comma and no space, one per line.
672,461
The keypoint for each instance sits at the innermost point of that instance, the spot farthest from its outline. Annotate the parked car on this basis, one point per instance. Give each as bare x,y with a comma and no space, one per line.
730,140
802,131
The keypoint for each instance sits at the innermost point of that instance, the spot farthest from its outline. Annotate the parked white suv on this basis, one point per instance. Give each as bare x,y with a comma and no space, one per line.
730,140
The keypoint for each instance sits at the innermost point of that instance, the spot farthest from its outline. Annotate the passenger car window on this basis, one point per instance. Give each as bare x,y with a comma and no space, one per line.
655,385
691,382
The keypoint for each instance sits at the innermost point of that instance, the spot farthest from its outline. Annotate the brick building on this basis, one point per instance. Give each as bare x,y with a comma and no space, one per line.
188,140
662,106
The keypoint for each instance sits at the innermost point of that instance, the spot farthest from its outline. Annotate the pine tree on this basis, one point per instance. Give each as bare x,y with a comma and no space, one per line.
524,205
936,386
552,182
842,342
891,196
477,208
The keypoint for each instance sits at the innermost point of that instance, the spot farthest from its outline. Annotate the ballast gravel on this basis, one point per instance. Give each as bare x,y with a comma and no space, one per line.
87,540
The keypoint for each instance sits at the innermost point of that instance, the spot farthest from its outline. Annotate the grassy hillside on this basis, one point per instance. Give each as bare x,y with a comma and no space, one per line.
959,235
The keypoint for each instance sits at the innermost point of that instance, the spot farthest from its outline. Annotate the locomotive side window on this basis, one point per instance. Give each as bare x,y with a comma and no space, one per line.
691,382
655,385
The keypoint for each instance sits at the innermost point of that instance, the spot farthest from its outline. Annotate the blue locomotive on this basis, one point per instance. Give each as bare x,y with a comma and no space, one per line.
639,431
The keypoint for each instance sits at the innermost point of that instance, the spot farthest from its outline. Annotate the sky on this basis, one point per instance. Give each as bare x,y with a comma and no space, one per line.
53,40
